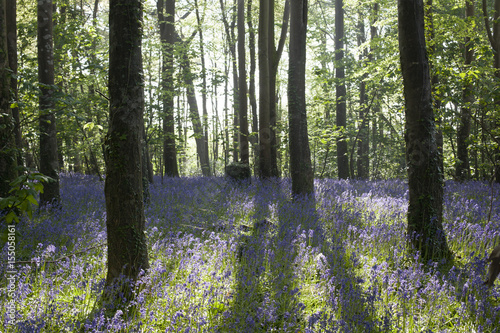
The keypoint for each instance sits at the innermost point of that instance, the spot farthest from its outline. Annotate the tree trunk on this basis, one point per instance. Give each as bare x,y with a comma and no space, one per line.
265,133
363,161
232,49
341,119
12,53
167,37
125,222
49,165
462,171
274,59
254,138
7,140
494,39
204,81
436,98
425,180
194,114
300,156
242,93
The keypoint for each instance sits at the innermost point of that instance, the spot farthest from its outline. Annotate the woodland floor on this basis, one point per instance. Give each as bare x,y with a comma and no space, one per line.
229,257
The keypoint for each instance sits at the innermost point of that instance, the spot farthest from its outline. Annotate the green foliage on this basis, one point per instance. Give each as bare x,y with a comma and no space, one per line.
23,196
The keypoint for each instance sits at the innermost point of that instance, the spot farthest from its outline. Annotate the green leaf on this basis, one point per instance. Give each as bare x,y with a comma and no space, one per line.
11,216
32,199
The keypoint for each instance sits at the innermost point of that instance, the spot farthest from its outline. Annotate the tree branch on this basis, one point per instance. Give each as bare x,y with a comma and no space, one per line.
284,29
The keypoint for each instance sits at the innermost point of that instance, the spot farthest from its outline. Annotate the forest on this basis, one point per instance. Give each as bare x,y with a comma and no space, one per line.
250,166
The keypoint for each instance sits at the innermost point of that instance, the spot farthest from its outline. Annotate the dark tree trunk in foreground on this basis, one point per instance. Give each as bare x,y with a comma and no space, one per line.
300,156
425,180
166,15
7,143
341,120
127,250
462,171
49,164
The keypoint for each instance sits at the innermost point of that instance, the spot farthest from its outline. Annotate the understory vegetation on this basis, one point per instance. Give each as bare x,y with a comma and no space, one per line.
245,257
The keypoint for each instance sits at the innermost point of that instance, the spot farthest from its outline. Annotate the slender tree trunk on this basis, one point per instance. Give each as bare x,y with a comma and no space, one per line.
376,106
341,119
425,211
125,222
232,49
275,53
226,115
194,114
300,155
494,39
8,154
462,171
49,165
243,117
254,138
166,16
363,161
265,133
204,80
12,52
436,98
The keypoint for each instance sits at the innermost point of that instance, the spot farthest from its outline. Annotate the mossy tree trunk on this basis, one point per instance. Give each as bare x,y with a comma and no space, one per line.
425,179
127,250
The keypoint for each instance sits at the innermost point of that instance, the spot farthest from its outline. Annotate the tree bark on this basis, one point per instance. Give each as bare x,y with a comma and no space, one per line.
243,109
425,180
275,53
265,133
8,154
166,16
363,160
254,138
12,53
341,116
125,222
232,49
462,171
204,81
49,165
300,156
436,98
494,39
